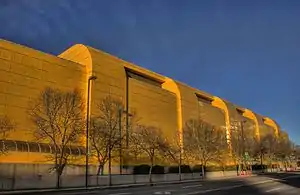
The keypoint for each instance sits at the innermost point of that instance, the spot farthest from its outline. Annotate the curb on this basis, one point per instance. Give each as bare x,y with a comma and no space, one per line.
38,191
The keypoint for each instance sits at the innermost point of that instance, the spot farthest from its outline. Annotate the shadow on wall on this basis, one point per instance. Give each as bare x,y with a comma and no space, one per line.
33,170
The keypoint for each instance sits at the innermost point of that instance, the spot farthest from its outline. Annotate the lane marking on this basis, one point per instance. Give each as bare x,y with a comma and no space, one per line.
166,192
274,189
121,193
215,189
242,185
193,186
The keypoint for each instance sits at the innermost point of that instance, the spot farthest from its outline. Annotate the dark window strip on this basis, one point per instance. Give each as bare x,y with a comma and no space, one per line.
22,146
143,78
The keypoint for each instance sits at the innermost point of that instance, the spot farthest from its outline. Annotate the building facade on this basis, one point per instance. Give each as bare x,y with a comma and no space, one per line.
159,101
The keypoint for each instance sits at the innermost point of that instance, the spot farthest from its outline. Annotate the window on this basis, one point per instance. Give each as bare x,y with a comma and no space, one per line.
55,149
2,147
22,146
45,148
239,111
75,151
143,78
82,150
67,150
34,147
10,145
203,99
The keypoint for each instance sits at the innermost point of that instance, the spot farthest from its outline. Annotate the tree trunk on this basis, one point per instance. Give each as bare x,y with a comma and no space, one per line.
58,175
240,168
179,167
285,166
59,171
203,172
56,170
150,173
100,169
179,171
150,170
109,167
223,169
271,162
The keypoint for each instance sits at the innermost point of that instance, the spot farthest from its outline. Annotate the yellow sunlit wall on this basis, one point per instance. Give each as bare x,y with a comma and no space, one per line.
24,73
273,124
158,100
249,114
155,106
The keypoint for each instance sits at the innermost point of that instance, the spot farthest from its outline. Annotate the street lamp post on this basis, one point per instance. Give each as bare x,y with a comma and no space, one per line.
121,112
91,78
120,141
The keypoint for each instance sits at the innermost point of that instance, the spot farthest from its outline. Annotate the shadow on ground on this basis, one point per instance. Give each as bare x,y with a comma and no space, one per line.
288,178
239,186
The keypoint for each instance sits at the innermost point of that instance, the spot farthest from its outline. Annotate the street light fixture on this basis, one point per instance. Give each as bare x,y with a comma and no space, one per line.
91,78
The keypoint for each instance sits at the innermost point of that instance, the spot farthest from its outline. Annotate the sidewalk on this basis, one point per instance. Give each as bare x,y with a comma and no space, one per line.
36,191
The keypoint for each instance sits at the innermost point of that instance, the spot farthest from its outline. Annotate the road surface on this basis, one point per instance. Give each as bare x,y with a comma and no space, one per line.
273,184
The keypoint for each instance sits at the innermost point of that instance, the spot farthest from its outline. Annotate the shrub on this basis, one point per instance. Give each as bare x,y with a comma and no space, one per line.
141,169
213,168
157,169
173,169
259,167
144,169
184,169
197,169
231,168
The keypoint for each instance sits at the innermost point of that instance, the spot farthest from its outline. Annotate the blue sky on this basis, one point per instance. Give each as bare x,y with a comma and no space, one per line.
244,51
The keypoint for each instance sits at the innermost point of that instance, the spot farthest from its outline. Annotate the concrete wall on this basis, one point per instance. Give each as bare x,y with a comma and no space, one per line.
46,170
31,182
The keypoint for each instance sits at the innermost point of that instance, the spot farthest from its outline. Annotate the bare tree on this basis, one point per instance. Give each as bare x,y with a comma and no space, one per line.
6,126
297,155
59,120
106,131
243,145
148,140
133,151
172,149
204,140
283,150
268,146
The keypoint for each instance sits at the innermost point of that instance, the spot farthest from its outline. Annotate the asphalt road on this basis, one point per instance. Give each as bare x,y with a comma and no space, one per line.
273,184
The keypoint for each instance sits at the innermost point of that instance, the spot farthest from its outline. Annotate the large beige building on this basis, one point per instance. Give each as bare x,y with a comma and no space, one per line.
159,101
